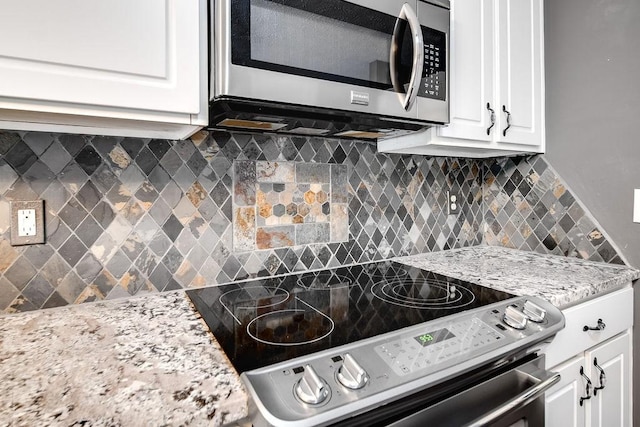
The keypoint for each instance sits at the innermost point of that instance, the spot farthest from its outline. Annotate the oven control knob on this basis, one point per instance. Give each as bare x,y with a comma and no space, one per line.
311,388
351,375
515,318
534,312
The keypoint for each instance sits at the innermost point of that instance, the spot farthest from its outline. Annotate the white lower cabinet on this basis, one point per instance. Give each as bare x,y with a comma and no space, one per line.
562,400
608,406
596,382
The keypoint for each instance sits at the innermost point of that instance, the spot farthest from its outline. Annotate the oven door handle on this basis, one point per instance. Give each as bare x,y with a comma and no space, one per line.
408,14
521,400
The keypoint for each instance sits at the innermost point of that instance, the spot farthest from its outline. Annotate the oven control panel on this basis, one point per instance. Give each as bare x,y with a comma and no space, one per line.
330,385
431,348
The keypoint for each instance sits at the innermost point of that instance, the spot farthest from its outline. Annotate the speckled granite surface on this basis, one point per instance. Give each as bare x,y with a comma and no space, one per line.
560,280
152,361
144,361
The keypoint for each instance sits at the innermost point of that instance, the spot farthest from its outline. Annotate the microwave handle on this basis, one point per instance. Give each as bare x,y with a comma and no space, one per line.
408,14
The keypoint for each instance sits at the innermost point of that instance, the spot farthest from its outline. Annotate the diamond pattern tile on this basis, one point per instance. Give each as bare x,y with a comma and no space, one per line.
529,207
127,216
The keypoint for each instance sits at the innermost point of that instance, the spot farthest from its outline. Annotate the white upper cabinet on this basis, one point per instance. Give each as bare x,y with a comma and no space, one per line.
118,67
520,83
496,83
472,70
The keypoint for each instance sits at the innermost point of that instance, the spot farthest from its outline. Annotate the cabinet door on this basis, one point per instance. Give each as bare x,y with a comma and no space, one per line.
471,71
611,406
520,77
562,401
141,54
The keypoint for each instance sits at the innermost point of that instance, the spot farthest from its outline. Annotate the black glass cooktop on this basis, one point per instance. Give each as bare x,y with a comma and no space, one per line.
265,321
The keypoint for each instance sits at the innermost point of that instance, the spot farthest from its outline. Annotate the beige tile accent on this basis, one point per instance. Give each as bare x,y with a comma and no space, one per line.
280,172
339,222
275,237
244,229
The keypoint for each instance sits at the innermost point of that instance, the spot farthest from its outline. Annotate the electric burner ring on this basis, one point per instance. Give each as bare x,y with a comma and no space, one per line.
324,281
393,292
392,273
276,291
389,292
288,344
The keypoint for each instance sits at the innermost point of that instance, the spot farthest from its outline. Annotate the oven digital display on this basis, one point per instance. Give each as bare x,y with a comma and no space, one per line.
434,337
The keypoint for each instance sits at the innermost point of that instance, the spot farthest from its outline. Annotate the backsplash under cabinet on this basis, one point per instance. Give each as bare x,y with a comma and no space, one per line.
128,216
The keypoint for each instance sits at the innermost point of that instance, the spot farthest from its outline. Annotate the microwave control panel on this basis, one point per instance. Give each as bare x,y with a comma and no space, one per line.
434,81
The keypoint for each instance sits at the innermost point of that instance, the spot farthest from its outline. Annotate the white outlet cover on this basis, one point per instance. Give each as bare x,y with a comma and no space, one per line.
26,222
636,205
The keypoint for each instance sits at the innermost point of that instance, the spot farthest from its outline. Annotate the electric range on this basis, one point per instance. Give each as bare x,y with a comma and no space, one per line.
319,347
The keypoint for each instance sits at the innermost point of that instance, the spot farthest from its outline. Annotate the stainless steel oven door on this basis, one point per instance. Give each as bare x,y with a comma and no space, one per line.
514,398
508,396
384,57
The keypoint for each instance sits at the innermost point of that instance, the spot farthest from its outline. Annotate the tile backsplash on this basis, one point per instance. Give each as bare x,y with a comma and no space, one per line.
127,216
528,207
284,204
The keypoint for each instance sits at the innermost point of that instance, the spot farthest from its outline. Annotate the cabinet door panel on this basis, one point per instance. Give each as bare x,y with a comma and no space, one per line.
615,309
612,405
562,401
520,47
471,73
141,55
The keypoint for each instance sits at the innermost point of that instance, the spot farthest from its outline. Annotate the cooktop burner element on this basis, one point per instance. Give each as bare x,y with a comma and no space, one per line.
370,342
257,297
323,280
265,321
291,327
425,295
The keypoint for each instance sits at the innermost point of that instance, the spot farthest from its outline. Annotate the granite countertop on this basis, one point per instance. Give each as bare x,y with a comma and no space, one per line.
560,280
151,360
143,361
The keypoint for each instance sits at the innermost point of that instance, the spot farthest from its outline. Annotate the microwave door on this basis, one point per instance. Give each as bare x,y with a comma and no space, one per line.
331,54
410,91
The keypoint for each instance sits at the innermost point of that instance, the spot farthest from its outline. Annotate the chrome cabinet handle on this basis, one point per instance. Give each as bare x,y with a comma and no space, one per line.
492,117
418,56
504,132
602,379
599,327
588,387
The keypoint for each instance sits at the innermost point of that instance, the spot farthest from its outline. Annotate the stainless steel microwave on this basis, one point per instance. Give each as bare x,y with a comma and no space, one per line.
367,69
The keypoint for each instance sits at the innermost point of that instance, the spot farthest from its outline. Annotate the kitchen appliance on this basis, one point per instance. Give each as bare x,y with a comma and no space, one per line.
383,343
346,68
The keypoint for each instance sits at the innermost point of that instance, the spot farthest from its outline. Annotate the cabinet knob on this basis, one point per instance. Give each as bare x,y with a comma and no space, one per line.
603,377
599,327
492,117
587,387
504,108
311,388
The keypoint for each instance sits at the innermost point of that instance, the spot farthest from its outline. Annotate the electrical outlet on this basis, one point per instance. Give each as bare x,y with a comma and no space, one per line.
27,222
453,203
